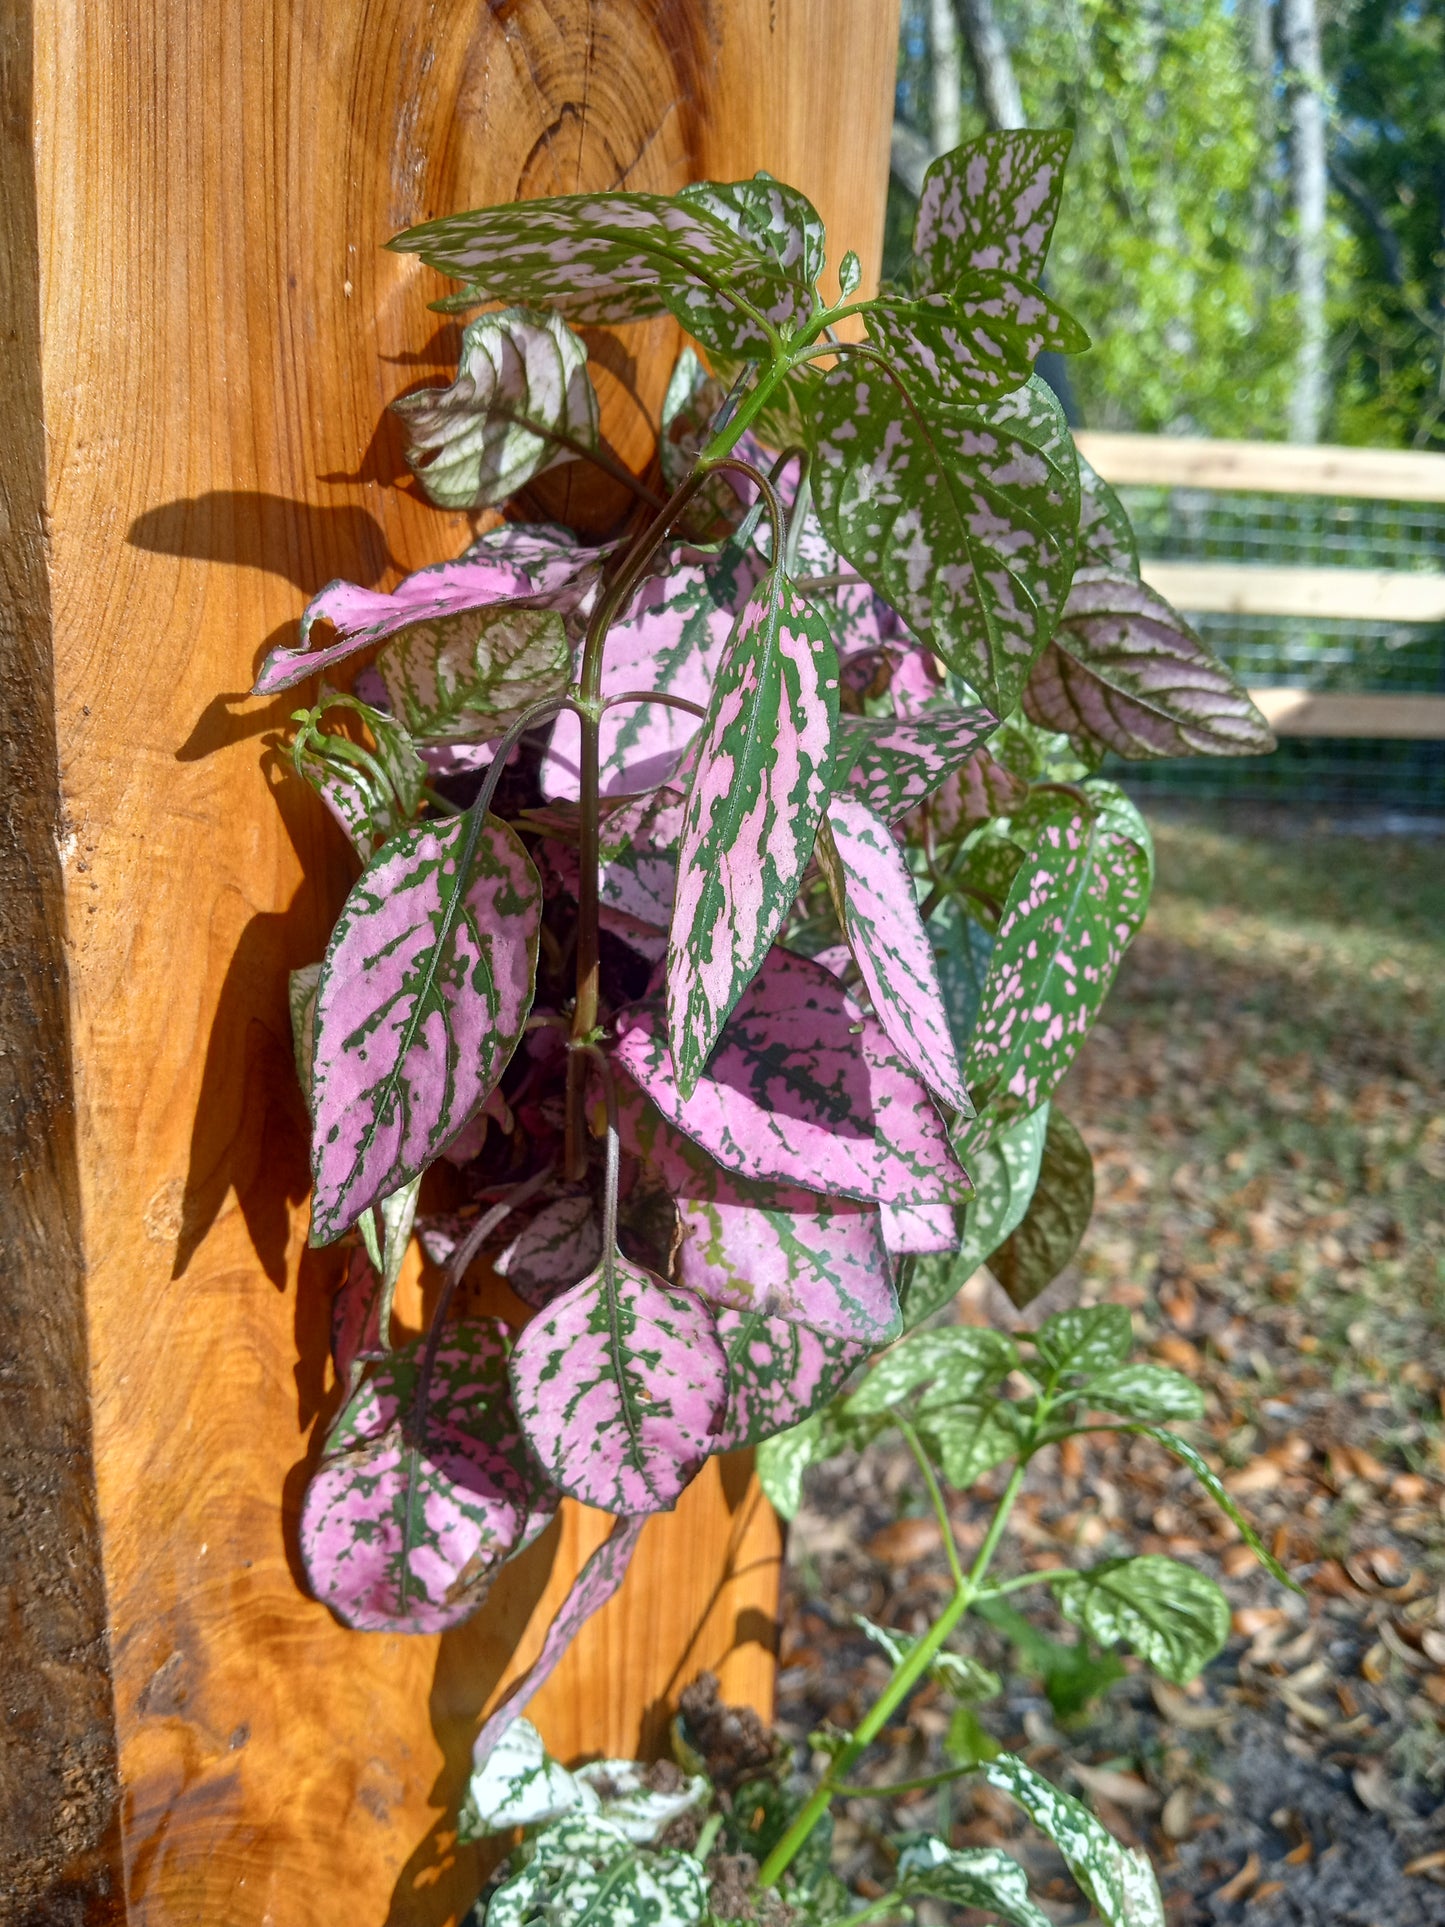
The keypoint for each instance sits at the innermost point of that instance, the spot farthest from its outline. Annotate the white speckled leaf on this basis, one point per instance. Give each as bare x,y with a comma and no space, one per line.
1106,535
605,258
618,1791
762,777
1170,1615
978,339
934,1369
1125,673
873,893
990,205
974,1877
620,1386
584,1872
964,521
516,1785
556,1249
521,381
1074,908
1119,1882
458,677
423,997
769,215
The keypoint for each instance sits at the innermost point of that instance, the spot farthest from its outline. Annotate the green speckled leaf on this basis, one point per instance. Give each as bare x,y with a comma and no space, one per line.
933,1369
1150,1392
1085,1339
1119,1882
974,1877
1170,1615
459,677
978,339
964,522
1004,1167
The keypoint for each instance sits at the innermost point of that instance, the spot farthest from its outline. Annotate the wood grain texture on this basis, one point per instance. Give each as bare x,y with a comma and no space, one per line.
1270,468
1253,589
221,334
1300,712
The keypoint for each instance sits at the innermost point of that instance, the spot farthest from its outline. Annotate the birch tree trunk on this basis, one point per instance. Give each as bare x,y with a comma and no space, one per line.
1299,39
998,87
947,114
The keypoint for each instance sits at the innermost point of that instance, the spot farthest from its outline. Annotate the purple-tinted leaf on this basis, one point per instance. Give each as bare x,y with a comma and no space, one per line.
604,258
877,906
638,858
672,641
521,382
978,339
804,1088
538,567
778,1372
598,1580
409,1515
620,1386
425,990
963,520
979,789
762,778
473,675
559,1247
991,206
914,1229
1074,907
767,1248
898,760
1125,673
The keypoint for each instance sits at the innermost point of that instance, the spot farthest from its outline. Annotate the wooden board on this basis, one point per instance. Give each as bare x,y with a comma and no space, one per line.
1273,468
1250,589
206,333
1300,712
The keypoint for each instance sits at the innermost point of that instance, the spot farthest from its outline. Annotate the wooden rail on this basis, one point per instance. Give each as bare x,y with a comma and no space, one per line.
1258,589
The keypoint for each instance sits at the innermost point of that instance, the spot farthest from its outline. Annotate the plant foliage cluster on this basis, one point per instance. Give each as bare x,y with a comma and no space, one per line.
734,896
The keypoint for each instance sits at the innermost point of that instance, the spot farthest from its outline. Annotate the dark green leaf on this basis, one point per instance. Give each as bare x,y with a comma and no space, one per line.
1146,1392
1048,1234
1085,1340
1171,1615
1004,1170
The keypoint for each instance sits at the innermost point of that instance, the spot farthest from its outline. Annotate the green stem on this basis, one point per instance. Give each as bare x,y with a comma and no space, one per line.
904,1786
885,1904
940,1510
906,1676
1045,1578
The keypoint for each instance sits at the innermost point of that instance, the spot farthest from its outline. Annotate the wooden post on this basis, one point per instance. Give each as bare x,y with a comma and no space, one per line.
200,335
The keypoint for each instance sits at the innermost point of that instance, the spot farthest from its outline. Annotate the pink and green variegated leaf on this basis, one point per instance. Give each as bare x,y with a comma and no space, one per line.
301,988
804,1088
638,857
371,791
521,383
603,258
463,676
424,994
559,1247
1125,673
893,762
981,338
779,1372
979,789
1073,910
769,215
991,206
762,778
598,1580
964,521
877,905
538,566
767,1248
410,1513
356,1319
672,641
620,1386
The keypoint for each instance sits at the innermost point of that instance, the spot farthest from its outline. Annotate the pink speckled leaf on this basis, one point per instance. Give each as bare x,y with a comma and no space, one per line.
637,875
804,1088
424,993
893,762
877,905
979,789
560,1246
672,641
604,258
1075,905
620,1385
534,567
762,778
767,1248
356,1319
409,1514
461,677
591,1589
991,206
1125,673
980,338
778,1373
1106,535
916,1229
963,520
521,382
